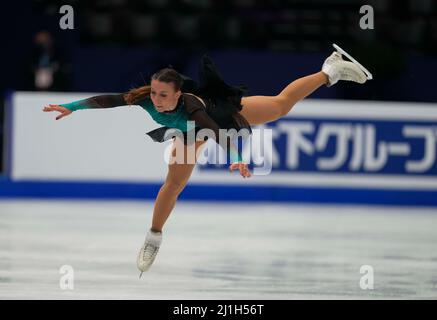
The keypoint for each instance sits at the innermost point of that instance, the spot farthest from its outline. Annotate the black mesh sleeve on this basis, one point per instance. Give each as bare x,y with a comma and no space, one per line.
107,101
102,101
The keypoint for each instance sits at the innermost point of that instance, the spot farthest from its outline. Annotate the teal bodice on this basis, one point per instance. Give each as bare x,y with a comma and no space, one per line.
175,119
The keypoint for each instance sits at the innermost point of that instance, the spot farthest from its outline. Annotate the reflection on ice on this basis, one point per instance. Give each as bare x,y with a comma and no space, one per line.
216,251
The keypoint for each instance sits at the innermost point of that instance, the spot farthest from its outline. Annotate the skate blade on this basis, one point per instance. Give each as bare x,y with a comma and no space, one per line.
140,275
369,76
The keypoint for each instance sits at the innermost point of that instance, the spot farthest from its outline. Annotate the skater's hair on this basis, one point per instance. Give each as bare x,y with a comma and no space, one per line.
167,75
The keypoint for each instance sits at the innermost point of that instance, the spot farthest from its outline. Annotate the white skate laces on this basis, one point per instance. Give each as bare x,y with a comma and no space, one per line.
149,250
338,69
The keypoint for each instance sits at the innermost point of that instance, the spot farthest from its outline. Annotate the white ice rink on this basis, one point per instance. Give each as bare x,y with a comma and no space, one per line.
217,251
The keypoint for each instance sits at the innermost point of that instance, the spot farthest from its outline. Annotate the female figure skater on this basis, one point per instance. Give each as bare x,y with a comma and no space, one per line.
215,105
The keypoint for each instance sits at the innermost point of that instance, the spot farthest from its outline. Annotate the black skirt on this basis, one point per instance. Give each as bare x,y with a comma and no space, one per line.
163,134
223,101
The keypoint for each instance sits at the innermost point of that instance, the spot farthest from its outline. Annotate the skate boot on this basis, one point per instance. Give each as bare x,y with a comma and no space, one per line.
149,250
338,69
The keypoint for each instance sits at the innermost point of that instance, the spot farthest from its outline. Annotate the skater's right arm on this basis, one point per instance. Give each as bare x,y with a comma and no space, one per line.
97,102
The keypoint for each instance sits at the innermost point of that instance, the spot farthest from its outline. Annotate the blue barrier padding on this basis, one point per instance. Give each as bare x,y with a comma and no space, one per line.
224,193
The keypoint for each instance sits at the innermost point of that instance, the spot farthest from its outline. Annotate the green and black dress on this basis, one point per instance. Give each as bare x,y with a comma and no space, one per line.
221,109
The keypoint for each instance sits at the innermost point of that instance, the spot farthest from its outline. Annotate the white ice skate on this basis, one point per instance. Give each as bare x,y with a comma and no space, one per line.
338,69
149,250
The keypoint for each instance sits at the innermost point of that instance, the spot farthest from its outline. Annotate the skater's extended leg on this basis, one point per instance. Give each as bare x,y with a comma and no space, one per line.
262,109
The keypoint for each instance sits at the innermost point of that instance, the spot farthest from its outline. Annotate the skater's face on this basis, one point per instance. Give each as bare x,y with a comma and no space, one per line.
164,96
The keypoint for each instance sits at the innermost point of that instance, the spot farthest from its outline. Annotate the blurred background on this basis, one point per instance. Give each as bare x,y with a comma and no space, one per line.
354,166
118,44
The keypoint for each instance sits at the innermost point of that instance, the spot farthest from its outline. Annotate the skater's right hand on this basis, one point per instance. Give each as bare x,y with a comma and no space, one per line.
242,167
54,107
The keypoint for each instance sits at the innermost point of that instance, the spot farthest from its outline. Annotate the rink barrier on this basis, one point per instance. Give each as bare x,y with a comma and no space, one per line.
326,151
206,192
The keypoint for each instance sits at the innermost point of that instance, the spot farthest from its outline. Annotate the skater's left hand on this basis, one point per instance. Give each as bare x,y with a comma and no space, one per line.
242,167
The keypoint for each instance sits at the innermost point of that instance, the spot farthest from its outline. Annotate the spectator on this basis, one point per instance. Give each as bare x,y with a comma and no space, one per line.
47,71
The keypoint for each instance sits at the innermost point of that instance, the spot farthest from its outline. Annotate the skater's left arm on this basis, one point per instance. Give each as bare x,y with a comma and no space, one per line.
203,120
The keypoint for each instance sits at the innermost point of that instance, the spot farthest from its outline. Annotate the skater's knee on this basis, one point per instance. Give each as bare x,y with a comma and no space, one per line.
174,187
284,105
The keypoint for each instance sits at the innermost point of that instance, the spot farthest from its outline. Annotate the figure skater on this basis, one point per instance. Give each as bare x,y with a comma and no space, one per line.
172,99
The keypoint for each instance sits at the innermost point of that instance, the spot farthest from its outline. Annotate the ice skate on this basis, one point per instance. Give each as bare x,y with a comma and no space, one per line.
338,69
148,251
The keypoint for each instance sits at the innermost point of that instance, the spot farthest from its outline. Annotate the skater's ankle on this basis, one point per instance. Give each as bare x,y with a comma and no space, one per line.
325,77
154,230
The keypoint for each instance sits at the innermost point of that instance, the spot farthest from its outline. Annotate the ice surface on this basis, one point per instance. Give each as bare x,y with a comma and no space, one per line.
217,251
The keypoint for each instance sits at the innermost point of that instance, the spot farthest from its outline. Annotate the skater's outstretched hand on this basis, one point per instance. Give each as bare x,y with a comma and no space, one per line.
242,167
54,107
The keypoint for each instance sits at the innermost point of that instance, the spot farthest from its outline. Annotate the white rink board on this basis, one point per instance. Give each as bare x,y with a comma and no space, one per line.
111,145
108,144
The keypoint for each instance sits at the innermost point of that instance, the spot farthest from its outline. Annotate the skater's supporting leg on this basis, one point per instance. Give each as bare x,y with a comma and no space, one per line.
177,178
